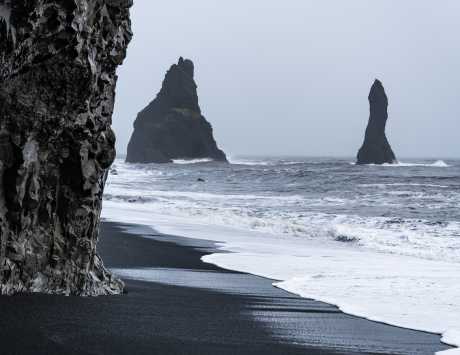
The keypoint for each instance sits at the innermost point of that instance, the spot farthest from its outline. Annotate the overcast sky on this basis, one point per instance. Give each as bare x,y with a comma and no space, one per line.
292,77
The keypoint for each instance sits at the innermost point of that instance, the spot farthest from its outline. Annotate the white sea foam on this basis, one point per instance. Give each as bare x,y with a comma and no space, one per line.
401,268
405,184
400,290
259,162
250,162
399,164
192,161
436,164
124,194
380,234
441,164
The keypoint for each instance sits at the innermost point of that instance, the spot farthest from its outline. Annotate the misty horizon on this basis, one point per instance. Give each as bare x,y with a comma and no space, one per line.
300,87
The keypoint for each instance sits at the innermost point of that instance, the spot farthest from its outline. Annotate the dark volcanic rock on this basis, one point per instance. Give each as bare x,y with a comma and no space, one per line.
376,149
57,74
171,126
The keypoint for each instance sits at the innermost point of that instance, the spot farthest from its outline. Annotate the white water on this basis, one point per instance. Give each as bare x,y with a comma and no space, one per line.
252,162
192,161
436,164
409,237
380,243
400,290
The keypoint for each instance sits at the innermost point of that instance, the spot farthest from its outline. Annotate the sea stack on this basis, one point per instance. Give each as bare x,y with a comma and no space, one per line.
376,149
57,72
172,126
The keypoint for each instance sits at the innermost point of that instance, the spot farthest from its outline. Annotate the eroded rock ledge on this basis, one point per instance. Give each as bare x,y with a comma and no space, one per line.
57,73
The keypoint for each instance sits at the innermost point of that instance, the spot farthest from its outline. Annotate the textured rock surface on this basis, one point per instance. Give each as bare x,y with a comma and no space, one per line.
376,149
171,126
57,69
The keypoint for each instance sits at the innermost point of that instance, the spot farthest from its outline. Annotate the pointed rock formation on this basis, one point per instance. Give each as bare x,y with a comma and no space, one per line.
171,126
57,74
376,149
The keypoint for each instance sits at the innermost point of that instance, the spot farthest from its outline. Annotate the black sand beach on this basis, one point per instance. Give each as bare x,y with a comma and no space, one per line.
192,308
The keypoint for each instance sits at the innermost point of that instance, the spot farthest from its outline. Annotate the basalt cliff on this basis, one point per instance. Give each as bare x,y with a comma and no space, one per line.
376,149
172,126
57,89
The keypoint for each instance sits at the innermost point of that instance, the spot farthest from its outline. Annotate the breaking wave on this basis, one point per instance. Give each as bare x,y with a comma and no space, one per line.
323,227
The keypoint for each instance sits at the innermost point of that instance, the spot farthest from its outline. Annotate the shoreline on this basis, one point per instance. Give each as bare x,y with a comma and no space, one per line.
186,306
207,247
214,259
392,289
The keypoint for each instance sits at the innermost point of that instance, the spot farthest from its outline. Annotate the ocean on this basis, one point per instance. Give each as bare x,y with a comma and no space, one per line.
381,242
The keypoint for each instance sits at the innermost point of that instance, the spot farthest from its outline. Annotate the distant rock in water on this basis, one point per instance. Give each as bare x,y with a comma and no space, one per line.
172,126
58,62
376,149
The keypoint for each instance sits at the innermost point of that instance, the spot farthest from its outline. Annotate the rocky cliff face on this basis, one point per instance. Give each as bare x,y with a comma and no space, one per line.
57,75
376,149
171,126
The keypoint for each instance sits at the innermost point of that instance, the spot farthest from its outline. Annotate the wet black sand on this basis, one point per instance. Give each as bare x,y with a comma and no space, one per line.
192,308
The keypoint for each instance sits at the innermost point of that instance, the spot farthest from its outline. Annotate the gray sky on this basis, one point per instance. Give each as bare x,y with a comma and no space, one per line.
292,77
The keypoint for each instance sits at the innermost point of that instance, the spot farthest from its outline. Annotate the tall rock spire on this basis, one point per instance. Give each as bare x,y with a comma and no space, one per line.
376,149
171,126
57,72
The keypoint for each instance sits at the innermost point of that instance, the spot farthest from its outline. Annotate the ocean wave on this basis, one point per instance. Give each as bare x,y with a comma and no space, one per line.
230,199
255,162
436,164
192,161
366,219
194,197
250,163
411,237
422,297
399,164
405,184
359,281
